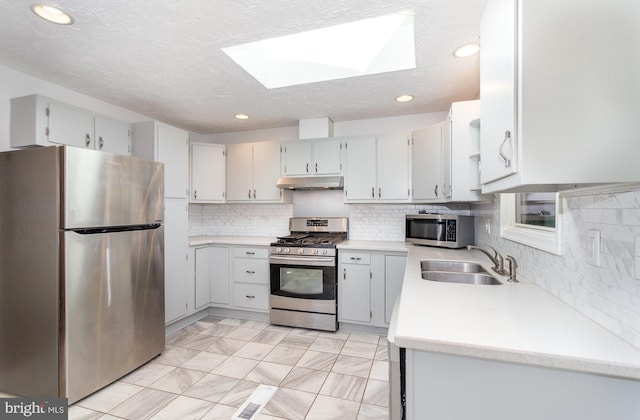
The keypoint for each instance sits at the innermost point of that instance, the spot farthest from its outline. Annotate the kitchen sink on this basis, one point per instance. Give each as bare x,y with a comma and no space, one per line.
452,266
466,272
466,278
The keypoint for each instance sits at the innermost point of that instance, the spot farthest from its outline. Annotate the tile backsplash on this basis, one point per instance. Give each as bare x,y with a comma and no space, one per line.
239,219
609,294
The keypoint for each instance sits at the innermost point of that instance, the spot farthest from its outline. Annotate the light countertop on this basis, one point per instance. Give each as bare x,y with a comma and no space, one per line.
393,246
512,322
231,240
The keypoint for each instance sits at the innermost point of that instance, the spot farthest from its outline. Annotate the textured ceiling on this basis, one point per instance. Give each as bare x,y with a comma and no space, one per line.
163,58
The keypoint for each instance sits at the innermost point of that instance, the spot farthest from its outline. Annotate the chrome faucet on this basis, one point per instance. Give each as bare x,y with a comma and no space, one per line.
512,268
496,259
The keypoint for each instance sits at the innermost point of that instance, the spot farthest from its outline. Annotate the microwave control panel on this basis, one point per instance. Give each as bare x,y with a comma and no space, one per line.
451,230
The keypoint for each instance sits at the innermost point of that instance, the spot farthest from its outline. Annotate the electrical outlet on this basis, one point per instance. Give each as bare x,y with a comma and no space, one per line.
593,247
637,262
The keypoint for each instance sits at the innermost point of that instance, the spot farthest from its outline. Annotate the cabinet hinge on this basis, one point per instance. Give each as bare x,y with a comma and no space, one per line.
341,166
46,111
370,315
345,145
46,131
370,275
280,149
408,141
340,146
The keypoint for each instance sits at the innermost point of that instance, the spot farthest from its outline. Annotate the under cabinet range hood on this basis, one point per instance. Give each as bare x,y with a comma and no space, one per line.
311,183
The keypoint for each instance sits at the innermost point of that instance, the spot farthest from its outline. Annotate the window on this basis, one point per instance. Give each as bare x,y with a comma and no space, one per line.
532,219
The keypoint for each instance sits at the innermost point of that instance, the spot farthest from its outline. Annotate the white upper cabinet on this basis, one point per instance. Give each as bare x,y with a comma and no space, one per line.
426,164
40,121
312,157
558,98
156,141
253,170
112,136
461,153
377,169
207,172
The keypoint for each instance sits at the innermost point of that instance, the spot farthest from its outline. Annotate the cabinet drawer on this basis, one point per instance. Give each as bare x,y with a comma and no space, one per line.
251,296
355,258
251,252
251,270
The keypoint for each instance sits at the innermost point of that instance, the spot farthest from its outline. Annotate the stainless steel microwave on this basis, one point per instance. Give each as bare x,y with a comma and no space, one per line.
441,230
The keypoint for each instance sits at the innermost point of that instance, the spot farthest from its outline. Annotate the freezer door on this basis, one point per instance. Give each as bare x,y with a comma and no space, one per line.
105,189
113,306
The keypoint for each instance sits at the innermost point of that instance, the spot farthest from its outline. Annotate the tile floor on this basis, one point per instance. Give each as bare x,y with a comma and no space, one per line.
212,366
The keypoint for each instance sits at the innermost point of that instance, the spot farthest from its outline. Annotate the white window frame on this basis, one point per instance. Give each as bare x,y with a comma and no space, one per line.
540,237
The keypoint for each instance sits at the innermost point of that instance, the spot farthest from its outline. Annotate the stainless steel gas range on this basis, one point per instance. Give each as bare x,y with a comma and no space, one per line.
304,272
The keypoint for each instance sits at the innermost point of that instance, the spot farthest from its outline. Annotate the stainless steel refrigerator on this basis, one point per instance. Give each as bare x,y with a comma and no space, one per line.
81,269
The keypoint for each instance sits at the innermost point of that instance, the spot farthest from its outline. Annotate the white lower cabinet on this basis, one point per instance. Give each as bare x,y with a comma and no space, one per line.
212,280
368,284
231,277
251,278
436,383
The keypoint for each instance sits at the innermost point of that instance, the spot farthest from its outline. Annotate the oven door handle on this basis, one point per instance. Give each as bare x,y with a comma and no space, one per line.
320,261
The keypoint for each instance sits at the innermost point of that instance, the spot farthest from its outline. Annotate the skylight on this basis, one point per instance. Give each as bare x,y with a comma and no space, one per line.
370,46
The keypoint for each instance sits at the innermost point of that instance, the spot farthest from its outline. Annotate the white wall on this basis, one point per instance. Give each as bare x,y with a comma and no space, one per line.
376,126
14,84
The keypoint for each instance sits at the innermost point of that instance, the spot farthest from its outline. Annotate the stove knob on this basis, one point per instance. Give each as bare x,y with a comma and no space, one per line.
286,250
278,250
300,250
315,251
324,252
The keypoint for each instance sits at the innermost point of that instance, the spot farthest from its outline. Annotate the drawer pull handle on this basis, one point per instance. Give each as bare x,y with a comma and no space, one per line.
250,296
356,259
251,272
250,253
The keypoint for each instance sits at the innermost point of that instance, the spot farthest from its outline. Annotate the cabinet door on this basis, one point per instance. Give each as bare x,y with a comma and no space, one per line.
327,157
112,136
360,174
498,84
202,277
219,275
173,151
297,158
355,293
207,172
392,168
445,158
239,172
176,249
427,163
394,266
70,126
266,171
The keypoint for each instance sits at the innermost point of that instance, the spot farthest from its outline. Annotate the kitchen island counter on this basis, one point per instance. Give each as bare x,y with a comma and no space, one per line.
513,322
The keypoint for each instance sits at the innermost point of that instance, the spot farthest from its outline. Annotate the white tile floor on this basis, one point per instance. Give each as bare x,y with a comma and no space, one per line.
211,367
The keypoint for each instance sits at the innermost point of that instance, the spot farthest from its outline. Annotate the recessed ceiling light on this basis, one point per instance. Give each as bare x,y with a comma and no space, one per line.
404,98
467,50
52,14
241,116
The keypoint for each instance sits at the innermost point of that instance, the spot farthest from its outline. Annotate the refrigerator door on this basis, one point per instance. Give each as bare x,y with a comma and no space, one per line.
105,189
113,306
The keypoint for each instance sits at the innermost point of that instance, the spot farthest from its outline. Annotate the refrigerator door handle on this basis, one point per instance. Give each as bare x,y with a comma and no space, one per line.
113,229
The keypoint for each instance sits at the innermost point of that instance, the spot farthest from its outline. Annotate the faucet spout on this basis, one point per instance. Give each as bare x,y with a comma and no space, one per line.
496,258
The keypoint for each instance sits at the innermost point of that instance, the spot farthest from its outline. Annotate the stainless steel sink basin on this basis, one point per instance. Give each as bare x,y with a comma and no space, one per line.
452,266
466,278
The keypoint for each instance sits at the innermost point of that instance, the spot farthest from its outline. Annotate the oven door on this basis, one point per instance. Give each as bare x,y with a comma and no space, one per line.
303,277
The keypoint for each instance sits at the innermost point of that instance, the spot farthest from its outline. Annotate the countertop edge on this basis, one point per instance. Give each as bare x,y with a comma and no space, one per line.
551,361
230,240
